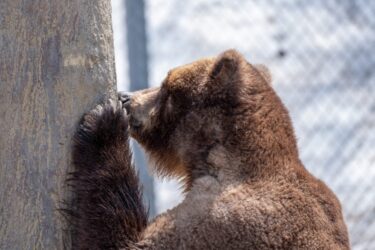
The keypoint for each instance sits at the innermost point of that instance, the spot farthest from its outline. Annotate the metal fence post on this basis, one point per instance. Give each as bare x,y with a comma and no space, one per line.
138,75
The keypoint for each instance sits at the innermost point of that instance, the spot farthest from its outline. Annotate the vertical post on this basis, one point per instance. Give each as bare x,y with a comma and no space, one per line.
138,75
56,62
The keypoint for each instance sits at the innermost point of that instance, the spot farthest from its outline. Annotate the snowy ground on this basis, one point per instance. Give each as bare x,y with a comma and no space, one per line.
321,55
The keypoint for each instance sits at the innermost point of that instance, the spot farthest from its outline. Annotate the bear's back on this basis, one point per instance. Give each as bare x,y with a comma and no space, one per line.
276,213
297,211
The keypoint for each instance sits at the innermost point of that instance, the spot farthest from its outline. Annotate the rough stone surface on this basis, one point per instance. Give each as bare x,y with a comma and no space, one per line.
56,61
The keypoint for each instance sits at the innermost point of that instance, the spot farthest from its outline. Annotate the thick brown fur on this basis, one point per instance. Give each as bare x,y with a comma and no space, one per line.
107,210
218,125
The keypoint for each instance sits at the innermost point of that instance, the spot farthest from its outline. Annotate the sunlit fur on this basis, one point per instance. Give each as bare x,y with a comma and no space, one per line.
106,211
220,120
195,109
218,125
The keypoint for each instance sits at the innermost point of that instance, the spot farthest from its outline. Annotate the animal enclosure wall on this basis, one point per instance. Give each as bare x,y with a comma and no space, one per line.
322,58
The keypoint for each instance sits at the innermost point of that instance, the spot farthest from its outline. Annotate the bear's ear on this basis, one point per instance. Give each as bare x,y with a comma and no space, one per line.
226,66
264,72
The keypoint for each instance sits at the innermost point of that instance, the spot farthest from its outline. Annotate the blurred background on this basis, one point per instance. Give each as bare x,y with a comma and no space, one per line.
322,57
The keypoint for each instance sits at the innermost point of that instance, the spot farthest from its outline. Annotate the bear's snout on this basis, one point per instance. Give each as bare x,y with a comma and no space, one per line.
124,97
139,106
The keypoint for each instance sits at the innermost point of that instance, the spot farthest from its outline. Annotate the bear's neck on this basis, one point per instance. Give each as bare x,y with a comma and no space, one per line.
230,167
265,140
260,145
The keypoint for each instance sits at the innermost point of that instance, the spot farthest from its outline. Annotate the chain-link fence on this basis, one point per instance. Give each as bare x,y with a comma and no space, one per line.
322,57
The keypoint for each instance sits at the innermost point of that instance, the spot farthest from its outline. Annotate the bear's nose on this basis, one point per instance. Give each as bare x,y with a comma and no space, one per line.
125,98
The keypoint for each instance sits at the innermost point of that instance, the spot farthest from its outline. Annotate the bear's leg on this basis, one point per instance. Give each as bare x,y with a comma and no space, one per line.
107,210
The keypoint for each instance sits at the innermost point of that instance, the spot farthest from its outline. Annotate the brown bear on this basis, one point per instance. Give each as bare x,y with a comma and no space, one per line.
218,126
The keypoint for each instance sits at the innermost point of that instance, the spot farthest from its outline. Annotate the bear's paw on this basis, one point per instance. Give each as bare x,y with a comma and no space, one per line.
103,127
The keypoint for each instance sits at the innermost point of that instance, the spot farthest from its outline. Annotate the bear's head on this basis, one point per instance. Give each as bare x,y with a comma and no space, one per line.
212,117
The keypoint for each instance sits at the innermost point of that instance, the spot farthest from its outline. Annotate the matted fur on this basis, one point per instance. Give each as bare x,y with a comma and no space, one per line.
218,125
107,210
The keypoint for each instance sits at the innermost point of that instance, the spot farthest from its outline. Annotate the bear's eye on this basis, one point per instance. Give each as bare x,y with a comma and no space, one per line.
169,104
175,103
